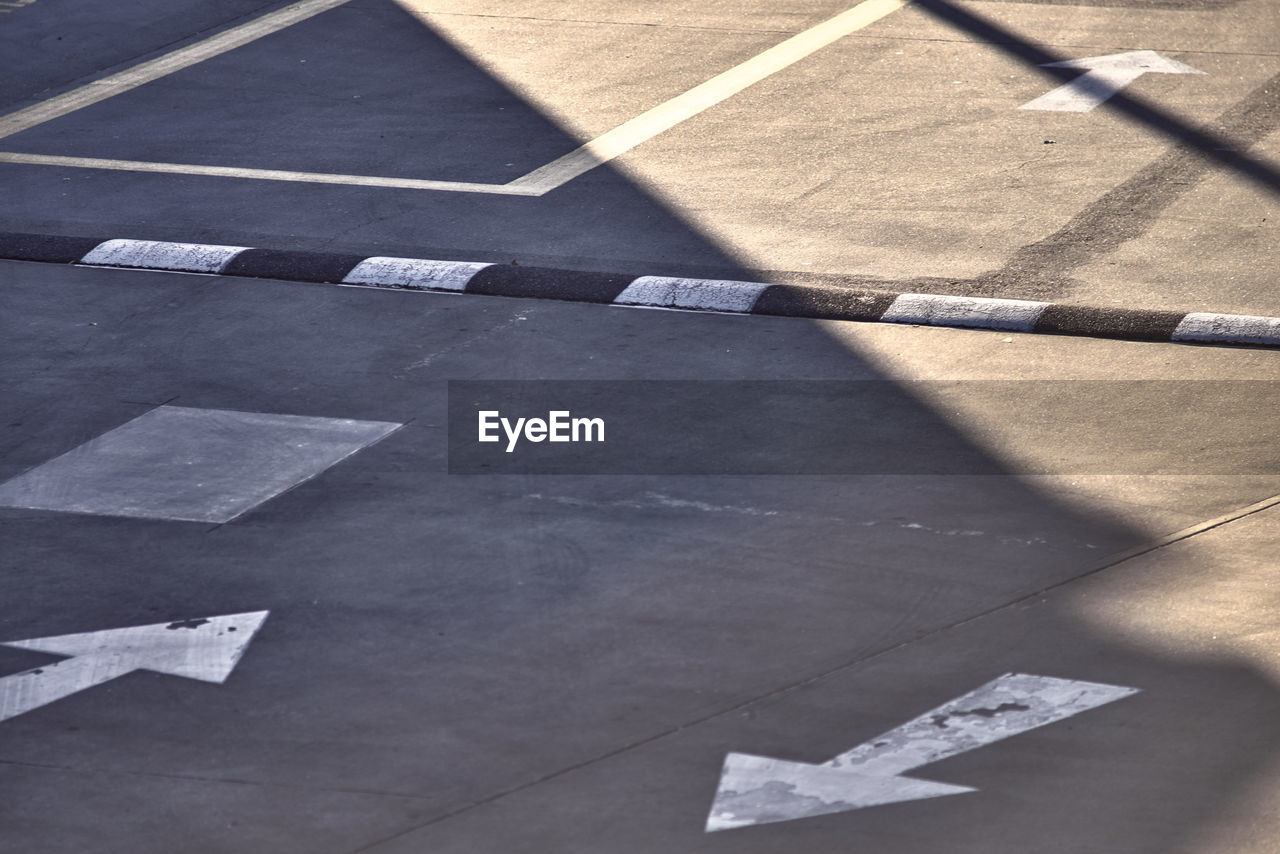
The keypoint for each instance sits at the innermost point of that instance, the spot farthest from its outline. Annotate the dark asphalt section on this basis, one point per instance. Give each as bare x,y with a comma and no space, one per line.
362,89
549,664
49,45
345,85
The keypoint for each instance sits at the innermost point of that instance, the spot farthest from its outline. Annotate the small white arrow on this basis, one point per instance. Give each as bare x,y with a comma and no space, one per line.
760,790
206,649
1104,76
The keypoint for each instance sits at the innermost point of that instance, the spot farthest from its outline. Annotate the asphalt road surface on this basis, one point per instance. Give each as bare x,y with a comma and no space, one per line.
819,585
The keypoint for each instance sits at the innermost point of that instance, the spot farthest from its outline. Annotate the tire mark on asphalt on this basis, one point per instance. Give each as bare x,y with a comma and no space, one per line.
1041,270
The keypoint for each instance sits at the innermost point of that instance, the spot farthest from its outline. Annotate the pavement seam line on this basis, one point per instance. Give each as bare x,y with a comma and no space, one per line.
815,302
1112,560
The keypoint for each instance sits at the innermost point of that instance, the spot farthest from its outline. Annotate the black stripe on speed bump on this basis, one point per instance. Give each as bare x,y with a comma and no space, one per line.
1124,323
823,303
789,300
510,280
51,248
325,267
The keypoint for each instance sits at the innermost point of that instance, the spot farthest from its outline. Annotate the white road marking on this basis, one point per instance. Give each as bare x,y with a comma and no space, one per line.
665,116
264,174
984,312
1104,76
145,72
206,649
540,181
759,790
695,294
186,464
162,255
414,273
1233,328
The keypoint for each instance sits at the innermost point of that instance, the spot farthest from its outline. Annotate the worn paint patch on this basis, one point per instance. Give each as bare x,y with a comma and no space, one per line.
760,790
188,464
693,294
414,273
208,650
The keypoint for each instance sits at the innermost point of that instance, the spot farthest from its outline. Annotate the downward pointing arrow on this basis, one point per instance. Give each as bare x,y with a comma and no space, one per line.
759,790
205,649
1104,76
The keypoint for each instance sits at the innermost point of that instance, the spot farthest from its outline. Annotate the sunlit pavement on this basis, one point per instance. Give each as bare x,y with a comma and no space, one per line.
344,647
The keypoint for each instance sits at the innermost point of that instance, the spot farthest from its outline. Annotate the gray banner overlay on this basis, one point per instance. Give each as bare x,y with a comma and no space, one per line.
780,427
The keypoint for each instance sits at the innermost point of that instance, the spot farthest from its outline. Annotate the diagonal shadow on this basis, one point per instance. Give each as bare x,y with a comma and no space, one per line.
515,625
1222,149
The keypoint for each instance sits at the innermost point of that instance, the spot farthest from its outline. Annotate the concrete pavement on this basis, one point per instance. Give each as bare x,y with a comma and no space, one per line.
570,662
485,663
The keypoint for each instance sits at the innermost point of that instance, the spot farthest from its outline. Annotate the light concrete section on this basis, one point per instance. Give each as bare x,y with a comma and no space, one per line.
1221,240
198,465
893,156
926,178
706,95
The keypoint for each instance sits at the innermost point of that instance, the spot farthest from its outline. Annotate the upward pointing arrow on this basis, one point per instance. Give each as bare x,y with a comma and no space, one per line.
206,649
759,790
1104,76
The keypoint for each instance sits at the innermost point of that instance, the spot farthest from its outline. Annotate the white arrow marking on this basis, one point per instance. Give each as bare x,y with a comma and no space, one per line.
1104,76
205,649
760,790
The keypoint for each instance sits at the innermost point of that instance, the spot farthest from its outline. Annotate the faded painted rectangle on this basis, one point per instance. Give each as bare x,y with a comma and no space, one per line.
182,463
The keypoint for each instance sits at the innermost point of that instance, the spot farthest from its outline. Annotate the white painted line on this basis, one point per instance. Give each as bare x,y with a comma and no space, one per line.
1104,76
694,294
536,183
759,790
207,649
186,464
416,273
1234,328
981,312
145,72
263,174
162,255
665,116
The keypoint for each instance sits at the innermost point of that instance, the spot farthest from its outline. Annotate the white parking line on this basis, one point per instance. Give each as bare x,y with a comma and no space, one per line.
131,78
540,181
649,124
264,174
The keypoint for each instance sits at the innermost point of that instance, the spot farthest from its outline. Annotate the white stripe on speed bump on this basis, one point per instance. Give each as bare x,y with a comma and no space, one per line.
1236,328
983,312
161,255
413,273
703,294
